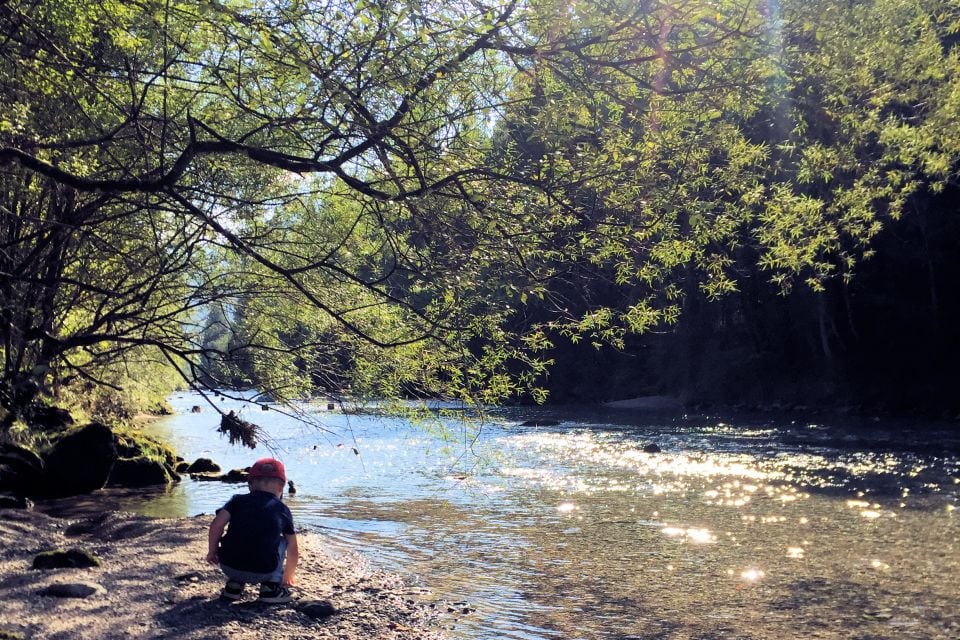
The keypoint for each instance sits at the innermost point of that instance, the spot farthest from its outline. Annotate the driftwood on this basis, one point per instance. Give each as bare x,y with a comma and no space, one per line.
239,430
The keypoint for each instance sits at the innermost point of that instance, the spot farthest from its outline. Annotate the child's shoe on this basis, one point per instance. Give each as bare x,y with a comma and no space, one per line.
233,590
274,593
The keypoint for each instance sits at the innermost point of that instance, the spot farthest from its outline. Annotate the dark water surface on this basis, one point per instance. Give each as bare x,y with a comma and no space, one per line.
737,529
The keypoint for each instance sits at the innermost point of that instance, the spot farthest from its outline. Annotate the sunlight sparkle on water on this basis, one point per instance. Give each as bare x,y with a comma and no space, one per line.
751,575
693,534
596,449
566,507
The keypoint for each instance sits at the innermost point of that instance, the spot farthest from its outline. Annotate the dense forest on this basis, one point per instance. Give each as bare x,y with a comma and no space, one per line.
728,201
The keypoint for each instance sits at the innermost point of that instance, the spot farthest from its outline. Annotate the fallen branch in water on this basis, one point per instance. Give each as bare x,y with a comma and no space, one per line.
239,430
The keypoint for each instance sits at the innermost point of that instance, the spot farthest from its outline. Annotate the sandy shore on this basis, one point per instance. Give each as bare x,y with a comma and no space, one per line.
153,583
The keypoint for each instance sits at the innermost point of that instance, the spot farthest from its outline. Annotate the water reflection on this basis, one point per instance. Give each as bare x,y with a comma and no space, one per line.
732,531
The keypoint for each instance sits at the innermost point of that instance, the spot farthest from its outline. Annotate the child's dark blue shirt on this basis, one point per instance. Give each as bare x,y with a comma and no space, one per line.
258,522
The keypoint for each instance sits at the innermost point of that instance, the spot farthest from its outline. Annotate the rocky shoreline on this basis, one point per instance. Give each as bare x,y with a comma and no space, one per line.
149,581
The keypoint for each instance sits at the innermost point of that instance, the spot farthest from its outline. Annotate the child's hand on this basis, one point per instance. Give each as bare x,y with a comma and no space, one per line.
212,558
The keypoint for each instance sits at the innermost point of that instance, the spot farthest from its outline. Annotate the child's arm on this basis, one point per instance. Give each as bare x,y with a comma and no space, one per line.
293,555
216,532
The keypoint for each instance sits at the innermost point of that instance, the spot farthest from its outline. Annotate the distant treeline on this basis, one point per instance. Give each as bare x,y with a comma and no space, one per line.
886,341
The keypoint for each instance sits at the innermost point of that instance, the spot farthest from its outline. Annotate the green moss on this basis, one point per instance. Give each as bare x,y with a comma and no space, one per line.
134,444
65,558
139,472
11,635
21,435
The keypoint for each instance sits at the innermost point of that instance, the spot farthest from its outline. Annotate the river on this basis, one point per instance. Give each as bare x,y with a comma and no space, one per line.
739,528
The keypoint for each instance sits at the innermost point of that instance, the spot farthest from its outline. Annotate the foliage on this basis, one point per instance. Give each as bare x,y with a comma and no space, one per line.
140,383
394,199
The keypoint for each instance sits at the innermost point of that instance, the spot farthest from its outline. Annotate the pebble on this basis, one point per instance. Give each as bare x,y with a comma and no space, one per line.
317,609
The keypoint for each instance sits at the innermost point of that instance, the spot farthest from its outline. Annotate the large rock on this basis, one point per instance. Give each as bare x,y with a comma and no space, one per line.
50,418
15,501
80,462
21,470
143,461
140,471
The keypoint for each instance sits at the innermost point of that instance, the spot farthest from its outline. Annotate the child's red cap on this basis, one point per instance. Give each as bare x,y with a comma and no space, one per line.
268,468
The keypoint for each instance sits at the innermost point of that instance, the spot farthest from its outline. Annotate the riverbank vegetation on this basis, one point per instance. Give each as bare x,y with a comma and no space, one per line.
723,200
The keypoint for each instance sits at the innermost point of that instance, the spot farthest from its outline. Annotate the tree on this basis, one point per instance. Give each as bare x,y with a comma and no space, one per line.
230,131
384,184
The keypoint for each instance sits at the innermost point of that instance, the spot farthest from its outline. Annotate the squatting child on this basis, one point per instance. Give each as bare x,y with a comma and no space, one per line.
260,545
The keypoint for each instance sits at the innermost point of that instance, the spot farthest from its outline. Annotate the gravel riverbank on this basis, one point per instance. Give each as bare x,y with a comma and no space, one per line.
153,583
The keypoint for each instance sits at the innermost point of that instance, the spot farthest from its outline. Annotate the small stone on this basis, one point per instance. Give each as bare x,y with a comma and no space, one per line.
317,609
203,465
192,576
235,475
72,590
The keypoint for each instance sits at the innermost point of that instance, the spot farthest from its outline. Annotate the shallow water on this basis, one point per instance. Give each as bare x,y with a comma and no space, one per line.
752,529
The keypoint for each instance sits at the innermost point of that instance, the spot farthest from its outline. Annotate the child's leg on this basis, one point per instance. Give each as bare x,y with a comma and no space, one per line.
233,590
274,592
277,575
236,581
271,590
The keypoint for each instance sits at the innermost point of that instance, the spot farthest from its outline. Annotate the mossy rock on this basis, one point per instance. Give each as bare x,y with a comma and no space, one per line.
21,470
65,559
133,444
141,471
49,418
11,635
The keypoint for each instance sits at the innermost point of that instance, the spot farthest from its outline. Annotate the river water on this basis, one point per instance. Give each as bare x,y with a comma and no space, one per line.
739,528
